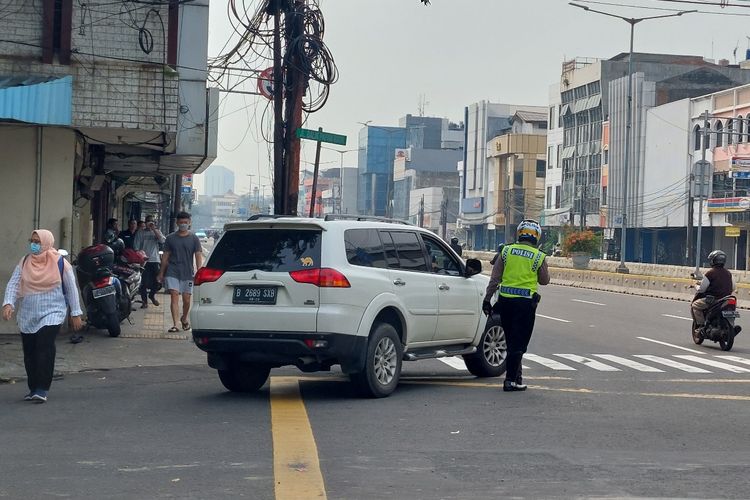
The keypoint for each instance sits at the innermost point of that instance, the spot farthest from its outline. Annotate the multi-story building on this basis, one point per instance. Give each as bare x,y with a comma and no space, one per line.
218,180
484,121
435,208
593,92
517,160
553,215
98,103
341,196
377,147
416,169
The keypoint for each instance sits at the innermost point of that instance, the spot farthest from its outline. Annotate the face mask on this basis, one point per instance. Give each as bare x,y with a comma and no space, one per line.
36,248
183,227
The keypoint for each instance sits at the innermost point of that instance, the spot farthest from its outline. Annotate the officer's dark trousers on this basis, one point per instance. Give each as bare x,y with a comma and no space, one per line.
517,316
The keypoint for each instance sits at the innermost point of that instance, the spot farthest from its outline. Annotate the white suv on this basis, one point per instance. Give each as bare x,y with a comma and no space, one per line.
353,291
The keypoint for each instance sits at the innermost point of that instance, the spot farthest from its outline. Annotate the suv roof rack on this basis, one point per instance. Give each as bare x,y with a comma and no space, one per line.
269,216
373,218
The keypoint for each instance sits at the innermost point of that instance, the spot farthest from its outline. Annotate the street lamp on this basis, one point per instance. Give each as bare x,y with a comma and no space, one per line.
632,21
341,152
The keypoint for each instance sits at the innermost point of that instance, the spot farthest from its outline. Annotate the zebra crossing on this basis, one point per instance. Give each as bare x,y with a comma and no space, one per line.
647,363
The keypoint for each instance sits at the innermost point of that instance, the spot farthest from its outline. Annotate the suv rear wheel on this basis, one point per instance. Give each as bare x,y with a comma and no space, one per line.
492,351
244,378
382,363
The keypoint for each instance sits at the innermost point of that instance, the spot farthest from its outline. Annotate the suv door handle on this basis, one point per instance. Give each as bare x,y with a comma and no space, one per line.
443,286
399,282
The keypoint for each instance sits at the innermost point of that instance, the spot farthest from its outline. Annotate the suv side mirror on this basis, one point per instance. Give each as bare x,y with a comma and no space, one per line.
473,266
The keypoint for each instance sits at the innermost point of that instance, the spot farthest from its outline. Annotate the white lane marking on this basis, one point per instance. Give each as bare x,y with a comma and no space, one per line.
677,317
549,363
553,319
454,362
715,364
629,363
670,345
588,302
672,363
591,363
736,359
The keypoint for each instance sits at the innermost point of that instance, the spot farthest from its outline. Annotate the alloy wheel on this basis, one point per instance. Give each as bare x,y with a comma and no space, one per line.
385,361
495,347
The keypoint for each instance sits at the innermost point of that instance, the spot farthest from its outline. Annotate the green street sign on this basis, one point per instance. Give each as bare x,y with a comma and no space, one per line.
318,135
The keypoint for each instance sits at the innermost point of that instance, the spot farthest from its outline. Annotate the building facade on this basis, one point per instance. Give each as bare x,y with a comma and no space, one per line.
377,148
218,180
91,116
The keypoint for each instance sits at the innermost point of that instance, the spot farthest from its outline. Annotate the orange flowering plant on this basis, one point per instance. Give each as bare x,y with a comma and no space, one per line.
585,241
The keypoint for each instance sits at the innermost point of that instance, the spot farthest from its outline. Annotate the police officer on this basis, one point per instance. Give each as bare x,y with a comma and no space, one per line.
519,272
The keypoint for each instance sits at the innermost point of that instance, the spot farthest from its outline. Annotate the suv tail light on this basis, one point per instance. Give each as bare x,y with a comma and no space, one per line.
207,275
325,278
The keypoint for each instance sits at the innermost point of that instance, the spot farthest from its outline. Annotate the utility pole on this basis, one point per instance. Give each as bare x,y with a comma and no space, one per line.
507,194
444,217
690,215
314,193
279,173
421,212
702,193
296,83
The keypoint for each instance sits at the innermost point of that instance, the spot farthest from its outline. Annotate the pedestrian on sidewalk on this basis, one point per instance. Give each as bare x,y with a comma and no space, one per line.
177,271
46,285
149,240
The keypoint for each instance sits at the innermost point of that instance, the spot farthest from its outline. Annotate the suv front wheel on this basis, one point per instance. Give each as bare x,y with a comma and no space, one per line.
492,351
244,378
382,363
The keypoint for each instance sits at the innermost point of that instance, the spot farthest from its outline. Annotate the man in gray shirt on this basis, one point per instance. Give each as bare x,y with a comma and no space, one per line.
180,248
148,239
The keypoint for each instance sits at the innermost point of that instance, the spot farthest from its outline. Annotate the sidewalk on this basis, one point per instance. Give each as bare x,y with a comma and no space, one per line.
144,343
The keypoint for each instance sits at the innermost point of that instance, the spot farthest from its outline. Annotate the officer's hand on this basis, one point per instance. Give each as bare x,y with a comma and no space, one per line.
487,307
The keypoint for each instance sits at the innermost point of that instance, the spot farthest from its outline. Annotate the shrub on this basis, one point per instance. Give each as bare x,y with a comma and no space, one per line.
581,241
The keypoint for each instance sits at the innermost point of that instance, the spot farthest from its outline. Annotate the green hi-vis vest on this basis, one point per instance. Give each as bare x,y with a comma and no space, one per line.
521,263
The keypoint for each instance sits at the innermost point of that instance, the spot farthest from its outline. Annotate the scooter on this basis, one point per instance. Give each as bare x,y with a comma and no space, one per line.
719,326
104,297
129,270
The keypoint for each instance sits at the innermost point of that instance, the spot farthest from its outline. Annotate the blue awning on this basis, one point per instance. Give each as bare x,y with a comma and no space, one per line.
41,101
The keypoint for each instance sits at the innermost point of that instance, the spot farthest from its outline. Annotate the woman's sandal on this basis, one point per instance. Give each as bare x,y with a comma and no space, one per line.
174,329
186,325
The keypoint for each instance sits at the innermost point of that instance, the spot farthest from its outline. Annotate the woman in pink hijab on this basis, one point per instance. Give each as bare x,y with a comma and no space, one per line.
44,285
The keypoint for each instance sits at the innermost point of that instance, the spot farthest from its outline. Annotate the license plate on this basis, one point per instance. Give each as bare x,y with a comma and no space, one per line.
103,292
730,314
254,295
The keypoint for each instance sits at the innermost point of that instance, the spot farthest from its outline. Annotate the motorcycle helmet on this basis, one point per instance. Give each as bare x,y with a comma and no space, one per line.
110,236
717,258
530,231
454,240
117,246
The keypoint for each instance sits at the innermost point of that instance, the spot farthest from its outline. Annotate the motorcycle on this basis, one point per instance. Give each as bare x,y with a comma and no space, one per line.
719,324
107,304
129,269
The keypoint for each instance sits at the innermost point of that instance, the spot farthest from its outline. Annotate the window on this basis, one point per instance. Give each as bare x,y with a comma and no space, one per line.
390,249
697,137
551,119
606,157
442,261
719,134
559,116
558,196
558,149
364,248
276,250
550,152
409,251
604,196
740,129
730,132
548,201
541,167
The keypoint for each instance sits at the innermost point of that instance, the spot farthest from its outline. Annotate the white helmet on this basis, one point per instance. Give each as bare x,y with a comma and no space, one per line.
529,230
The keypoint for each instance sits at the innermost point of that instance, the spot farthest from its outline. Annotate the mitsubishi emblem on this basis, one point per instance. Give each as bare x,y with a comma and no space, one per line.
255,276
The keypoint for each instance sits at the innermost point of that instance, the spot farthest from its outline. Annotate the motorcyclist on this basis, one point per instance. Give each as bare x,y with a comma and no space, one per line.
717,283
519,271
456,246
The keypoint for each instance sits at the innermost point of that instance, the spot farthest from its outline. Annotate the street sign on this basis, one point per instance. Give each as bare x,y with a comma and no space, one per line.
732,231
317,135
741,162
265,83
741,175
186,189
702,171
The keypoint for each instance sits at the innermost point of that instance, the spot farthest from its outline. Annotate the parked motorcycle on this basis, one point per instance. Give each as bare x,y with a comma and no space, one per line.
128,268
719,326
104,297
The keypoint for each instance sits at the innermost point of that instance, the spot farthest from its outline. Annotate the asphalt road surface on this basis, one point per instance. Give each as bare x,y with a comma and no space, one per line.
621,404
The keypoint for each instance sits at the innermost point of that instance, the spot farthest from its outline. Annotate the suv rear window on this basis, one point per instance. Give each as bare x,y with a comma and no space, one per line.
278,249
363,248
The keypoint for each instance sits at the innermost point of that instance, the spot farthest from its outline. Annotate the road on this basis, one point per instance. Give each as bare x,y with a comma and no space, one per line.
621,404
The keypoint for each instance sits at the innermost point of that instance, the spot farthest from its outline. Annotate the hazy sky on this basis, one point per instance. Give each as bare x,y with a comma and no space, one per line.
455,52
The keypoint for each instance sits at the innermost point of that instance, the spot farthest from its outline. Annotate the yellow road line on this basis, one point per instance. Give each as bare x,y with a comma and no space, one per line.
296,466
